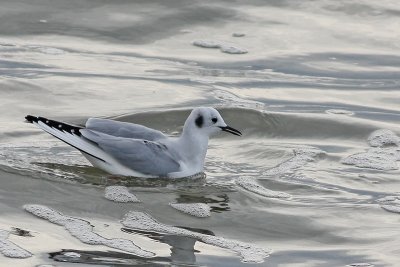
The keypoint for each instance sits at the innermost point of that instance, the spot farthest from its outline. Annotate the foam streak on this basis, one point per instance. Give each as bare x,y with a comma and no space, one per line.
9,249
83,231
142,221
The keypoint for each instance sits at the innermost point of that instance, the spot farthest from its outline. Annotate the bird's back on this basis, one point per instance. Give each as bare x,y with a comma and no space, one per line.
123,129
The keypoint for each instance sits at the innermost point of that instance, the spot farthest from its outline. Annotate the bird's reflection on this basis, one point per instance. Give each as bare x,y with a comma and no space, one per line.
106,258
182,252
182,247
196,180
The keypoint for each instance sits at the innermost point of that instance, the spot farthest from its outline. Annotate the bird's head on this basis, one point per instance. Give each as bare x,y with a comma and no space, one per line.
207,121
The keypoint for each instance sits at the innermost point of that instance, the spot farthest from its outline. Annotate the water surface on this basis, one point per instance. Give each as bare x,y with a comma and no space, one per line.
319,77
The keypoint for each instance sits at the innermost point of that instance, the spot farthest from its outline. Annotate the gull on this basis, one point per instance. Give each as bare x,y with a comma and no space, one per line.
129,149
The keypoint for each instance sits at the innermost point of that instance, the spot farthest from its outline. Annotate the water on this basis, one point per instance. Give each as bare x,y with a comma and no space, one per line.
318,78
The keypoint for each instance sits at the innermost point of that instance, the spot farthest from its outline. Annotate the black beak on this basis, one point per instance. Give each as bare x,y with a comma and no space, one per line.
231,130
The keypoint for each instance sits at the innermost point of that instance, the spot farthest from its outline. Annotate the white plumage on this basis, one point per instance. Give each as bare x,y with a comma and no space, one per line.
134,150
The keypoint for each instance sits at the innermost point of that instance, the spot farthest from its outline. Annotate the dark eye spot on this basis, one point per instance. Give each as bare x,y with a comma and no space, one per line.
199,121
214,120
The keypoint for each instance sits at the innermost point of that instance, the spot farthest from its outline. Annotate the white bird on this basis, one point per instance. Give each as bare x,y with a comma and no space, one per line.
129,149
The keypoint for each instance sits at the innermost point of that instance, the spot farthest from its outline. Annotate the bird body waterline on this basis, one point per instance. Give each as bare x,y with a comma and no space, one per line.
129,149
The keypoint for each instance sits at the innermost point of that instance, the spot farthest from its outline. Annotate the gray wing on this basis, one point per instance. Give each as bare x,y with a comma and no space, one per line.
144,156
123,129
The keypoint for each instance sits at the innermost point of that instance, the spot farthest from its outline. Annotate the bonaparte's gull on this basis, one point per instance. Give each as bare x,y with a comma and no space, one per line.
129,149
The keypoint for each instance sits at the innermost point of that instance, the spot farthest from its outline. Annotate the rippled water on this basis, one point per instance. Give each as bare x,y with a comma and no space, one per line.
310,179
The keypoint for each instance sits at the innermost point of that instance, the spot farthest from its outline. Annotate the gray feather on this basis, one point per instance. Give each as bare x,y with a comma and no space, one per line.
147,157
123,129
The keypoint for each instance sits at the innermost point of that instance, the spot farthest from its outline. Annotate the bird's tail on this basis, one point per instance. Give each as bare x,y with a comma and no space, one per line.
69,134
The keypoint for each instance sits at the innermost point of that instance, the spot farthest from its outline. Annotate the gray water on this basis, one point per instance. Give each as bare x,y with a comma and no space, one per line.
318,79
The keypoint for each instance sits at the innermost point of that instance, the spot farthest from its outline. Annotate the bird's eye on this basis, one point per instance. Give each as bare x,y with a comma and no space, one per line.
214,120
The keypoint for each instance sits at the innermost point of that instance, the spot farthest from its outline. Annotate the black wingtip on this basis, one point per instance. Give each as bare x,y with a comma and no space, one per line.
60,126
31,119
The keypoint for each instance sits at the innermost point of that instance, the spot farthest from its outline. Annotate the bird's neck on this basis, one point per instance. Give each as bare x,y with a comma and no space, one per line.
194,147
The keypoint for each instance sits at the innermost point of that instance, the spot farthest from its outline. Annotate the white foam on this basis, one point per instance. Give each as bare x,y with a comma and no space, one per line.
120,194
339,111
72,254
379,157
361,264
301,157
383,137
9,249
230,49
391,208
238,34
195,209
389,199
207,43
375,158
224,47
142,221
390,203
83,230
251,185
48,158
